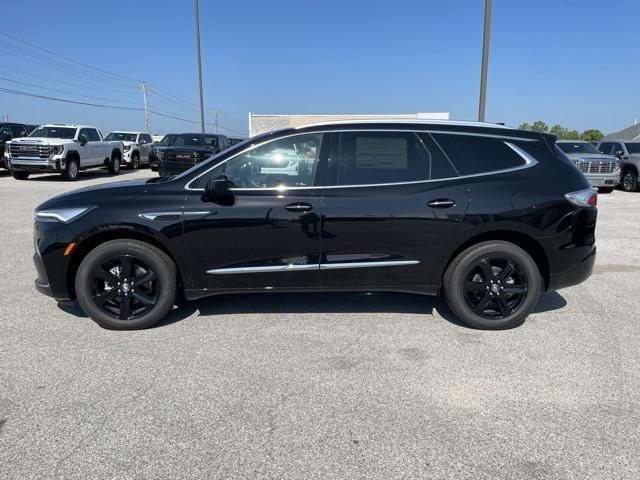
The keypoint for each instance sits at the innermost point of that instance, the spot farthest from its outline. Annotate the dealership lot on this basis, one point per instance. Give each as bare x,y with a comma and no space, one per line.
322,385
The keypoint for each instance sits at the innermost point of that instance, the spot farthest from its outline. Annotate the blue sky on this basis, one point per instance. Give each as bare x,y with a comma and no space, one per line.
568,62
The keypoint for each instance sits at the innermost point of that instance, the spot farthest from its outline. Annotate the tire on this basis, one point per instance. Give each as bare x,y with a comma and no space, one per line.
465,282
135,161
71,170
629,181
114,164
19,175
605,189
105,300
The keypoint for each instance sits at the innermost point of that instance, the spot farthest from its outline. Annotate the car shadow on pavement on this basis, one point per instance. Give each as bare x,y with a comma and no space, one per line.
356,302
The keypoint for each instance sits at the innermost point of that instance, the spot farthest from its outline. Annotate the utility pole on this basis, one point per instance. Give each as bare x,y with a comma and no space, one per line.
5,117
197,7
145,90
485,59
215,121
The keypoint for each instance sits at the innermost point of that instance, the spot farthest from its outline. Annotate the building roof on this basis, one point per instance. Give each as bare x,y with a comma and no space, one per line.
414,121
629,133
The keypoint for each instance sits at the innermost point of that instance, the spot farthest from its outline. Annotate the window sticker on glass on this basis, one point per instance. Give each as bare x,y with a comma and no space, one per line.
382,153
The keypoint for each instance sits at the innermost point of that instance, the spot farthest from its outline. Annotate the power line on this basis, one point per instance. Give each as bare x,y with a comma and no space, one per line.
67,58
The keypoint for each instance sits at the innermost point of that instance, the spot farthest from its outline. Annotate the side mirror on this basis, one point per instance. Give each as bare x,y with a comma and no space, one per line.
620,154
218,190
82,138
6,136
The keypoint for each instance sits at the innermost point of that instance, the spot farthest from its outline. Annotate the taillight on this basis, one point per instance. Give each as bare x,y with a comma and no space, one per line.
583,198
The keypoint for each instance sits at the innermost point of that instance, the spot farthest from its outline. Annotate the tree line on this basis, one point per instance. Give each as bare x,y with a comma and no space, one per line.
590,135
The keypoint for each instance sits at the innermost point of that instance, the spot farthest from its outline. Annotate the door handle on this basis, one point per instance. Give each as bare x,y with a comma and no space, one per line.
299,207
442,203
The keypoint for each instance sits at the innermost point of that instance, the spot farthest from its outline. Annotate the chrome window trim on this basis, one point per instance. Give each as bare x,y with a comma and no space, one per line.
529,160
310,266
154,215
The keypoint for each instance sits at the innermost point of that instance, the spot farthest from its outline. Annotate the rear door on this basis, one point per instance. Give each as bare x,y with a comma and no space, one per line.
391,202
268,235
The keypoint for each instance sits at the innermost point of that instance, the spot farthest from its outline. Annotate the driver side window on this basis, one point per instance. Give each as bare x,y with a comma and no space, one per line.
286,162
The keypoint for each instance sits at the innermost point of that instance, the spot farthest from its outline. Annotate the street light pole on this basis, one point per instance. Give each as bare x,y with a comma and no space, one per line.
197,7
485,59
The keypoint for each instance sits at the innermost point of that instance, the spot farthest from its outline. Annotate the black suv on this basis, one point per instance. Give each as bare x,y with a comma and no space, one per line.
10,131
189,149
157,150
488,215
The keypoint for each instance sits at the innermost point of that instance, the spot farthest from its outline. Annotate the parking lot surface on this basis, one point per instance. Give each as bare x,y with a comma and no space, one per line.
325,386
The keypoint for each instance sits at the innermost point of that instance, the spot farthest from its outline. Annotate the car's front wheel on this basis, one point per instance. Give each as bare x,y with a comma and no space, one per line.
126,284
492,285
629,181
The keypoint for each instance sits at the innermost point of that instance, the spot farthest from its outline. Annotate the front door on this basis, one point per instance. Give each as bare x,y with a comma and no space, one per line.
392,201
267,233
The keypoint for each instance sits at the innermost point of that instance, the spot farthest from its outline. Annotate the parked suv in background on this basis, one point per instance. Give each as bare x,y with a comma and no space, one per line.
157,150
189,149
472,210
65,149
603,171
136,147
9,131
628,151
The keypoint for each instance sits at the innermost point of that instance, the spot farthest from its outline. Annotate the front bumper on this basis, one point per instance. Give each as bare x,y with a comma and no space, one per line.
33,165
602,180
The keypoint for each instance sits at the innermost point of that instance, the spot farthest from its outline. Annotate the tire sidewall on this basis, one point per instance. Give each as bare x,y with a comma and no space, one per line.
135,161
155,258
72,170
463,264
634,181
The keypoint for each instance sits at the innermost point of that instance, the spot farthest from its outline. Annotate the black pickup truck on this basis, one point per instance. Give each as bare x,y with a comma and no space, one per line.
189,149
9,131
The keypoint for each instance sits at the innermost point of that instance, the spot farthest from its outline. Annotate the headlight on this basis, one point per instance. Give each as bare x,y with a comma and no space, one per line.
63,215
58,149
127,148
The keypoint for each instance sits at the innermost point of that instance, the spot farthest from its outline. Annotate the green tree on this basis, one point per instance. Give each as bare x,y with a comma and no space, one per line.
559,130
592,135
524,126
539,126
572,135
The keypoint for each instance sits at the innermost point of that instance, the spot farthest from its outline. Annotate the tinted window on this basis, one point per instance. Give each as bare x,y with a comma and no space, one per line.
290,162
471,155
224,143
121,137
5,131
146,138
19,131
633,147
368,158
92,135
196,140
577,147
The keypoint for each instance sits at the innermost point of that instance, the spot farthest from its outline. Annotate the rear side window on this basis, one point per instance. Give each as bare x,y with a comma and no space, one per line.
371,158
475,154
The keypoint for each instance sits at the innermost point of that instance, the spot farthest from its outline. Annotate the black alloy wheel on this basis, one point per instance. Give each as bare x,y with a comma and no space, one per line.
126,284
495,288
492,285
125,287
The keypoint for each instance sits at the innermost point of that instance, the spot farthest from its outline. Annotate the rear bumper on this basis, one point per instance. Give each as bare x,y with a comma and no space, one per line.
575,274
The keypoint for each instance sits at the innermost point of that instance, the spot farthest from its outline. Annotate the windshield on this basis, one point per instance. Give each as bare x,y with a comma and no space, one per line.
121,137
168,139
633,148
577,147
196,140
54,132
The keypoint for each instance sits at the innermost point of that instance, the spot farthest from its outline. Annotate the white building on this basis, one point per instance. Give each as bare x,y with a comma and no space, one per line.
268,123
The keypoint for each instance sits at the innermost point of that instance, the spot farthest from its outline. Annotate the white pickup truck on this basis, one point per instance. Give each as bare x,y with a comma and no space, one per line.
64,149
137,146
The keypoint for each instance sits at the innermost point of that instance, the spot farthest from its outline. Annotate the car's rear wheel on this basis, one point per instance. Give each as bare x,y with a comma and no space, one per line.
492,285
629,181
19,175
126,284
135,161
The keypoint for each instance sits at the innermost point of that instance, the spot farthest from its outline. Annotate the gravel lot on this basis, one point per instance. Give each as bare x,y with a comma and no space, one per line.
375,386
